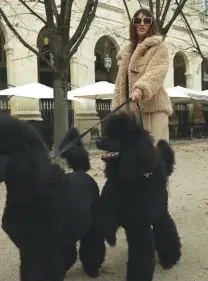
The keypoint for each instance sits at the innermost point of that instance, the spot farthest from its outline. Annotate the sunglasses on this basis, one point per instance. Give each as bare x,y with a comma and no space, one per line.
144,20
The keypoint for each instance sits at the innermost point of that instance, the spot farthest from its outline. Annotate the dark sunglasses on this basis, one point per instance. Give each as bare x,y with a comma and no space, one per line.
144,20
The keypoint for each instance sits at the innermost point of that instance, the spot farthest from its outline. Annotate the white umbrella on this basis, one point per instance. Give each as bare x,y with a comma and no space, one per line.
202,96
97,90
32,90
181,94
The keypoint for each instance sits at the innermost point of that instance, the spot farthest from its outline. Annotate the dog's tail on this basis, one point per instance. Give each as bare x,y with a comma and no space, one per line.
76,156
168,155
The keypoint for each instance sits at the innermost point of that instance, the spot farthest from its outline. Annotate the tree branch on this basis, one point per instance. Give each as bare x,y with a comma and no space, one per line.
158,5
175,15
49,15
32,11
196,46
164,14
151,6
55,10
127,10
140,4
28,46
67,20
85,22
162,6
76,43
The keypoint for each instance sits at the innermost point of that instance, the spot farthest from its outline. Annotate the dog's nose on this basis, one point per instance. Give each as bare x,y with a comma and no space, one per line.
98,144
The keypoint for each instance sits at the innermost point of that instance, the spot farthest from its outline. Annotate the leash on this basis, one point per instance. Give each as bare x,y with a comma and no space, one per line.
140,116
69,145
81,136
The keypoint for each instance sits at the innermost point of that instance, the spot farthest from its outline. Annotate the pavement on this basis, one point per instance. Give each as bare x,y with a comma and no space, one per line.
188,204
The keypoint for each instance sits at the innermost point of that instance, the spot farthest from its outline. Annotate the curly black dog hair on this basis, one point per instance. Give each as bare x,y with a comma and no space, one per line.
135,146
76,156
135,196
19,140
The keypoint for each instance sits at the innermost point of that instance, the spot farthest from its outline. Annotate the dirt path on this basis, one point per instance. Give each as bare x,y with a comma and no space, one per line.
188,206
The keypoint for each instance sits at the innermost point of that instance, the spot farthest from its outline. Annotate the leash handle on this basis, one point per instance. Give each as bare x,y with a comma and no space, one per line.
138,105
140,115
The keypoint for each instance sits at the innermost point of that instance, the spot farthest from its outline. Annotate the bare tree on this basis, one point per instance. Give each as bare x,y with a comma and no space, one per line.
57,21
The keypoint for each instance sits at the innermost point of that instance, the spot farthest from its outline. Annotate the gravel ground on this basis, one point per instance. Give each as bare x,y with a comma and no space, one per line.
188,206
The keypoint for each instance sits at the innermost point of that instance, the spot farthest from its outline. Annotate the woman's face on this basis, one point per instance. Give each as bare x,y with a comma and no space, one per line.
143,24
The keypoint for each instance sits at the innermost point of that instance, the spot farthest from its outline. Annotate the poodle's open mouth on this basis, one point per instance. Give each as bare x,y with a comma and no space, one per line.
110,155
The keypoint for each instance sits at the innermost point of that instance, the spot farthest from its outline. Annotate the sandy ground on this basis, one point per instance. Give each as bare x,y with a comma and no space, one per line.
188,206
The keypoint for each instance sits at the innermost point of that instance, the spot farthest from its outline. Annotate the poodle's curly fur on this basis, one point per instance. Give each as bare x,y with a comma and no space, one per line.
135,196
46,211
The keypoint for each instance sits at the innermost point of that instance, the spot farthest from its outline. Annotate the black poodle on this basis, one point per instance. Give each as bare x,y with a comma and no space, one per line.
46,210
135,196
92,246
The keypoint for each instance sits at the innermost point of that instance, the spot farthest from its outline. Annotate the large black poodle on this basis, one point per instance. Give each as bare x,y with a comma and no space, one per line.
46,211
135,196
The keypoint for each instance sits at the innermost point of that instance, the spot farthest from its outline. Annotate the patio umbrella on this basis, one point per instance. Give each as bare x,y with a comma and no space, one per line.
180,94
202,96
31,90
98,90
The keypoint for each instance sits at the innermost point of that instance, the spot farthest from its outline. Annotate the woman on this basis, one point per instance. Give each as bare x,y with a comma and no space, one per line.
145,62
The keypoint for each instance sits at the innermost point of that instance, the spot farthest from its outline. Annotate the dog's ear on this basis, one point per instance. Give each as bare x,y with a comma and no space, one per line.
71,135
76,155
25,175
136,160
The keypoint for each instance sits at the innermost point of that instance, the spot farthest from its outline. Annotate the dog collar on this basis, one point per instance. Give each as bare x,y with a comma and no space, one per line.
147,174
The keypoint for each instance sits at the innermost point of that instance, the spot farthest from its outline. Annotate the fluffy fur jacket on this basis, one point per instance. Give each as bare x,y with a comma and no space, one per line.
146,68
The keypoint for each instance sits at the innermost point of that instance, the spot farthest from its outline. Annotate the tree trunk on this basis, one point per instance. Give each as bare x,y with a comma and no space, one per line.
60,110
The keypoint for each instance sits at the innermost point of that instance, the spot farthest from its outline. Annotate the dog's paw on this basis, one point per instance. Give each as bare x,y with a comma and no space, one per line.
169,265
92,273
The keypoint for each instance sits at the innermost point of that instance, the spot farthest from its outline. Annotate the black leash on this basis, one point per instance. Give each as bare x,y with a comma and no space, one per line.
70,144
140,116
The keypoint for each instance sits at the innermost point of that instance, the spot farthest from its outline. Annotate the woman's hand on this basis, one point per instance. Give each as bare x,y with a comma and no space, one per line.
136,95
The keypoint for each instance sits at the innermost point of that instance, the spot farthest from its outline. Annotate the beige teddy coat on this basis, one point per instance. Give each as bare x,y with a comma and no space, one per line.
146,68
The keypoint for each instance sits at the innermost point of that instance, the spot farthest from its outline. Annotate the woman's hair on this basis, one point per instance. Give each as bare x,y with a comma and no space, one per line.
153,30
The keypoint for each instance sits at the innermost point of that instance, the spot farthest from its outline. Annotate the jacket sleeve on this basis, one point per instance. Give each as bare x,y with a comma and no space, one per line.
153,78
115,100
127,49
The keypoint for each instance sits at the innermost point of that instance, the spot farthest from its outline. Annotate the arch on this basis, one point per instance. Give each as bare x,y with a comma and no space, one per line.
204,74
105,45
180,70
109,37
100,50
3,63
45,73
185,58
5,32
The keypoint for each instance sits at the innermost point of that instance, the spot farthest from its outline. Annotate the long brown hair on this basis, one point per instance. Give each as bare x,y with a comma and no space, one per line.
154,30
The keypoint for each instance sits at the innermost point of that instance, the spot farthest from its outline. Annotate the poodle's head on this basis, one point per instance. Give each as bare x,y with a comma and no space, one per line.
130,149
23,156
76,155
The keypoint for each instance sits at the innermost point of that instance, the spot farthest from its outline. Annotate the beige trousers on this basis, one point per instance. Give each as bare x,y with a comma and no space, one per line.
157,124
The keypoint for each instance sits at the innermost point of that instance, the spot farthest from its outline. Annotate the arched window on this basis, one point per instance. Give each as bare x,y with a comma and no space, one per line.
45,73
179,70
101,74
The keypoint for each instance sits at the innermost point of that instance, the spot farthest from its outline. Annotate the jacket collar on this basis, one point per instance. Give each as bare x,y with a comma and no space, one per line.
147,43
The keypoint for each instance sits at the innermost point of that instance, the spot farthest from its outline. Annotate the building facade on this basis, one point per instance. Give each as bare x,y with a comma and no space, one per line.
108,32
